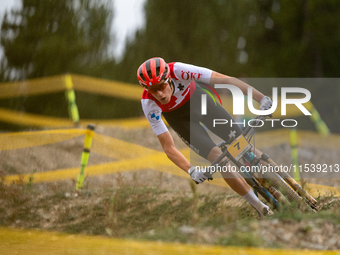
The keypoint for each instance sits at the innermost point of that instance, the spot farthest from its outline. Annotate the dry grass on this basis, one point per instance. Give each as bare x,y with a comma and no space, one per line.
151,212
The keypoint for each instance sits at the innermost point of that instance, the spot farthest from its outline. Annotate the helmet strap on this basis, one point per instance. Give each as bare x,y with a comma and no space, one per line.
172,85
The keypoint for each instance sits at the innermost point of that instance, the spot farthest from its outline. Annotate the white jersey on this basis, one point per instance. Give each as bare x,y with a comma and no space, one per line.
183,77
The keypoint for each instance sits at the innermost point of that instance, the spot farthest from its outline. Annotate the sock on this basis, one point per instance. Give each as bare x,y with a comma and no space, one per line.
252,199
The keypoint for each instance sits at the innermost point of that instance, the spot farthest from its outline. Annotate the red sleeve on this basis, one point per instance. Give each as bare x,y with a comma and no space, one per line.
172,74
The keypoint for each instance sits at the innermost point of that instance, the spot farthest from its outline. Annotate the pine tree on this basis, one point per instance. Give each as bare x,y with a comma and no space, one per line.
54,37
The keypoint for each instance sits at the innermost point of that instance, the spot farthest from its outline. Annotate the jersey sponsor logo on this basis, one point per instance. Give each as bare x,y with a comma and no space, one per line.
190,75
154,116
208,92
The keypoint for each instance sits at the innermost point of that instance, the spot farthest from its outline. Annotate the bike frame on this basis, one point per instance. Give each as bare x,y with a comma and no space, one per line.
252,159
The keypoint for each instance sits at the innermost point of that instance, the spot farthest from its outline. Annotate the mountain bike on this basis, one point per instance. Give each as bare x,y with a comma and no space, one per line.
275,186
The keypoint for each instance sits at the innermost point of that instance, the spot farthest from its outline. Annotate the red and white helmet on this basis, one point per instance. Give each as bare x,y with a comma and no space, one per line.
152,72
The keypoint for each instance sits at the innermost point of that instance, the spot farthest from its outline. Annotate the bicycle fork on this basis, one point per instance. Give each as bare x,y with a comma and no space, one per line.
253,160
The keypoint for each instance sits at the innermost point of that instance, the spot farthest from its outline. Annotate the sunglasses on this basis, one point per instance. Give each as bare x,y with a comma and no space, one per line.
155,88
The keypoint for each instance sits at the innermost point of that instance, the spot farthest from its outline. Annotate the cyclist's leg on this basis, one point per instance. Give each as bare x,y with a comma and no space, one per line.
195,136
186,125
234,179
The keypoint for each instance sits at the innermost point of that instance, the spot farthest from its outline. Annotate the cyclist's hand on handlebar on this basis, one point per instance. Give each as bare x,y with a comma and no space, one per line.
198,175
266,103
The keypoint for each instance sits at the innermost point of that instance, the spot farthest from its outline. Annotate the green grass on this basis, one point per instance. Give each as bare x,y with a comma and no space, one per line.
241,238
148,213
330,212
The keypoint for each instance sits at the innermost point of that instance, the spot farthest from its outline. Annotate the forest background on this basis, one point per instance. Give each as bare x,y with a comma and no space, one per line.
252,39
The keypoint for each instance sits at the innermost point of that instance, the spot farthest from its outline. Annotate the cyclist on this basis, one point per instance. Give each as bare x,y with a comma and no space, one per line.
170,90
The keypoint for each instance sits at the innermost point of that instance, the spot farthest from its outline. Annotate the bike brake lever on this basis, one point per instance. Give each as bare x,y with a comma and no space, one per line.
209,179
209,175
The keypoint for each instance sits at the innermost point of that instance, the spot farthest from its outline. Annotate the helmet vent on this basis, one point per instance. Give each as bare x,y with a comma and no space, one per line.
141,74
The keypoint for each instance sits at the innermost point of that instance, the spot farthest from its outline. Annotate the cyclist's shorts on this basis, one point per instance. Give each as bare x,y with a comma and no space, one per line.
191,126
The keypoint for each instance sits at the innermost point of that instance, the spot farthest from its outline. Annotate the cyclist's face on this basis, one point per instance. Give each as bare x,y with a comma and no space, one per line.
162,91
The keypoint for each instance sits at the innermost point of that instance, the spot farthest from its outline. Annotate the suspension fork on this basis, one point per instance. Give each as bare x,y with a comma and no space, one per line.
248,177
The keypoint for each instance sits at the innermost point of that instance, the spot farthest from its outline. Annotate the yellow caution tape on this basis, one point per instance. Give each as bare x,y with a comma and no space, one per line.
32,87
107,87
72,82
35,242
34,120
11,141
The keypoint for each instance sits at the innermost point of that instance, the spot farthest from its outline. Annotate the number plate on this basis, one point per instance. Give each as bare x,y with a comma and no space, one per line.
239,147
